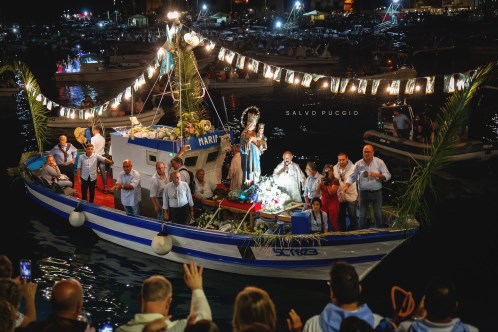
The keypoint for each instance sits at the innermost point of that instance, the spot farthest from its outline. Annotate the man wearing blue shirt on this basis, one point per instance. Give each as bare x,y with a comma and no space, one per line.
369,172
178,204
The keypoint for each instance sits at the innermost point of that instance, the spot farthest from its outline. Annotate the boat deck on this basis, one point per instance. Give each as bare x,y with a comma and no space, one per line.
101,198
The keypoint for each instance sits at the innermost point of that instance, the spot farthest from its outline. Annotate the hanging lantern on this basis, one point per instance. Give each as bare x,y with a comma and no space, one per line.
162,242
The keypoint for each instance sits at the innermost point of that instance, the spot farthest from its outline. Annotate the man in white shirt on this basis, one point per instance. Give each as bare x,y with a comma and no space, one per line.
157,184
131,191
156,297
98,142
178,204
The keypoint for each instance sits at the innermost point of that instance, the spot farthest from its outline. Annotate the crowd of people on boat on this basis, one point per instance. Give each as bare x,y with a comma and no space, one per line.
69,65
253,307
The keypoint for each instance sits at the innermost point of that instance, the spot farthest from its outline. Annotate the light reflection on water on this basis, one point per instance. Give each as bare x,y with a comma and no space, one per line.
112,277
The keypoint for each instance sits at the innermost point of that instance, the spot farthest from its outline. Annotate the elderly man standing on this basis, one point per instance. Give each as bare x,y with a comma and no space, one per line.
157,184
177,200
65,156
131,191
369,172
156,297
289,177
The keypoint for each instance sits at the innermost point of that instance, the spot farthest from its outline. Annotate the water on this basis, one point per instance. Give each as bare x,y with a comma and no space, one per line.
112,275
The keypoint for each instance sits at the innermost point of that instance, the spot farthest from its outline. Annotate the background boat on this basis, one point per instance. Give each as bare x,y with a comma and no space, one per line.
92,68
238,83
146,117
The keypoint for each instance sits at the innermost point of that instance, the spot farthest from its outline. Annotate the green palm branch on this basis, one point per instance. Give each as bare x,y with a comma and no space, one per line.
451,121
31,89
187,80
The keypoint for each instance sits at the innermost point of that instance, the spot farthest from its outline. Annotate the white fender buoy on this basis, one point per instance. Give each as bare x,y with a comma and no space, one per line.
77,217
162,243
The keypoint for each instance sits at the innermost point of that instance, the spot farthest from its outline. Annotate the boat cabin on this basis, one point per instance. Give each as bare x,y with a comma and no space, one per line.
149,146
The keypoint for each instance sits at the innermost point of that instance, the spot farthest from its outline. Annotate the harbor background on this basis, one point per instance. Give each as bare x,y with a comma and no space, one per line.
459,243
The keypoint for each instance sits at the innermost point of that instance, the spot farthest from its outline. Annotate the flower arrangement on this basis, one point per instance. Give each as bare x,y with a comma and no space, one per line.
192,125
203,220
265,192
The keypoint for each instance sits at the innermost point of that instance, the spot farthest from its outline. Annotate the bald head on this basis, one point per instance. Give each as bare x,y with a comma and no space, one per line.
67,298
156,288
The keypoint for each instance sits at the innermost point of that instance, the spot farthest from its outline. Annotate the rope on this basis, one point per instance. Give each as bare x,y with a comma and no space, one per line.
248,210
214,214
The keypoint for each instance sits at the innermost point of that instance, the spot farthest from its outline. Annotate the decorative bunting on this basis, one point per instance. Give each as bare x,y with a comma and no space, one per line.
362,86
410,86
449,84
49,105
344,84
277,75
316,77
375,86
334,84
394,88
127,93
241,61
306,80
289,76
229,57
462,81
254,65
429,88
221,55
267,72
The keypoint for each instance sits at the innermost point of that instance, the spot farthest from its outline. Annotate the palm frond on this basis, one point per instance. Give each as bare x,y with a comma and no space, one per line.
451,121
187,80
39,112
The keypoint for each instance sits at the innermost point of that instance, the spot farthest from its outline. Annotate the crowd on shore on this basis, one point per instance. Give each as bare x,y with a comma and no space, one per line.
253,308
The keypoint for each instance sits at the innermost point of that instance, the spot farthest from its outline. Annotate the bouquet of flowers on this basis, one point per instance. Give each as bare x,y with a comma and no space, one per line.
271,197
192,125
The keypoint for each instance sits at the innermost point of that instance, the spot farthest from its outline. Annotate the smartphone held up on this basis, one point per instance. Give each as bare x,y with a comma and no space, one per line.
25,268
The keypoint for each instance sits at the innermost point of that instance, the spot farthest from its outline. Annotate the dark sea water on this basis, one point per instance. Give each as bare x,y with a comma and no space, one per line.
314,126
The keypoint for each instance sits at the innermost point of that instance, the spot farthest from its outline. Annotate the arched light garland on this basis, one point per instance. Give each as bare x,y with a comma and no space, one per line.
164,61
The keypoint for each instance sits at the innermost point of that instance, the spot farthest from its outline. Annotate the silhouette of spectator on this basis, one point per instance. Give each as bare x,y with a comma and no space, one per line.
13,290
203,325
7,316
66,302
355,324
437,310
345,292
156,297
6,268
253,305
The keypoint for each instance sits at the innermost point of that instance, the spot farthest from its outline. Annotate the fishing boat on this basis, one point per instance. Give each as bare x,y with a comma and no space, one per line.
92,69
230,242
297,256
238,83
146,117
383,139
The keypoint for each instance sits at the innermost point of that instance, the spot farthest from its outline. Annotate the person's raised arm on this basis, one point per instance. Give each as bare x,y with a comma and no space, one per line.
193,279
